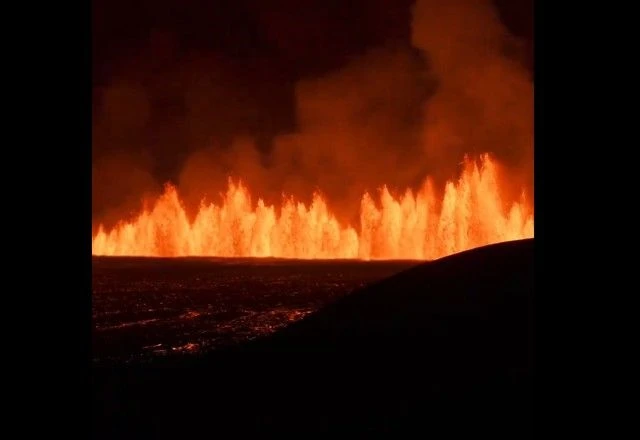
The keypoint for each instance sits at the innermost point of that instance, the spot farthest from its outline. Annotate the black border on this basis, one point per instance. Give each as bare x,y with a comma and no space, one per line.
48,184
574,161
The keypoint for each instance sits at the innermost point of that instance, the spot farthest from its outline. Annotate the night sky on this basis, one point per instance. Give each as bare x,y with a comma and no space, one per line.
172,77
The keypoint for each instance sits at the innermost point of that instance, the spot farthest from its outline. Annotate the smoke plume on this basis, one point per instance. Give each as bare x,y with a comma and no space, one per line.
390,116
484,98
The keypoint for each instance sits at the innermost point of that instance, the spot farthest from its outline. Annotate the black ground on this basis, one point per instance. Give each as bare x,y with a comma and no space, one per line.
443,348
145,309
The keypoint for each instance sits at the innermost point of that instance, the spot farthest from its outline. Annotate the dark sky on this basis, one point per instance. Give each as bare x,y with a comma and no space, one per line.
296,38
171,77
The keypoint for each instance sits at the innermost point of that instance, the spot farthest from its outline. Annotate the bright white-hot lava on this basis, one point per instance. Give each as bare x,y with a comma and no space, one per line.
418,226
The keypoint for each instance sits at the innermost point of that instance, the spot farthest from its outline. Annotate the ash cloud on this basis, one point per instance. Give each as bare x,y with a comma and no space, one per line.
357,128
161,110
120,182
121,173
484,99
395,115
392,115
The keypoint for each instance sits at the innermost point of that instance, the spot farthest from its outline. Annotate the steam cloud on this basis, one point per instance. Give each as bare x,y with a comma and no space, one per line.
391,116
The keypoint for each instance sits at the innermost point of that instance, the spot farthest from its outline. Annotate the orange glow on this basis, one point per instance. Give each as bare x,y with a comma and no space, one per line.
417,226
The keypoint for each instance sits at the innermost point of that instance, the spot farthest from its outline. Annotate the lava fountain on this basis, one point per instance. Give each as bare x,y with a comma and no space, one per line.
420,226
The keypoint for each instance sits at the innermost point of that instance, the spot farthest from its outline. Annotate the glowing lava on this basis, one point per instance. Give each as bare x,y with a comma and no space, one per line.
421,226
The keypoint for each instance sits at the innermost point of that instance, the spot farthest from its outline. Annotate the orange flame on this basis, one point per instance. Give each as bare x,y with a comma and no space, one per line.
470,214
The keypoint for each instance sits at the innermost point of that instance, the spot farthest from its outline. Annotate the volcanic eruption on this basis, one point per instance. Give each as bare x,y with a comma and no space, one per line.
412,226
402,154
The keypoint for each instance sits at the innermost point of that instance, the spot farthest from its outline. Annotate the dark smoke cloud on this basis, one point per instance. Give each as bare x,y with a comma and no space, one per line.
120,182
121,173
357,128
160,108
484,99
391,116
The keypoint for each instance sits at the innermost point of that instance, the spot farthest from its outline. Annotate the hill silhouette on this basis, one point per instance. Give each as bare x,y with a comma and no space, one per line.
442,348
